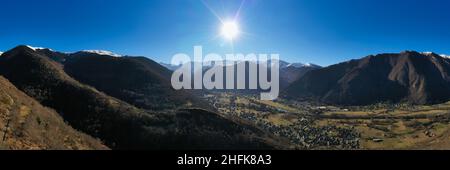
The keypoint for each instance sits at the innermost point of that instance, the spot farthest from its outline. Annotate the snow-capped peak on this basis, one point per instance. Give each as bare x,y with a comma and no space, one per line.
297,65
445,56
430,53
102,52
38,48
1,53
300,65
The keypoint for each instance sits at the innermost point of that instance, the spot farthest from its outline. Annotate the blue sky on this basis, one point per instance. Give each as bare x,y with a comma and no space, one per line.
318,31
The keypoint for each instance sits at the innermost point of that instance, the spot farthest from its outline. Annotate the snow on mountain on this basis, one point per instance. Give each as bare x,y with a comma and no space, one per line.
102,52
1,53
99,52
282,65
38,48
427,53
445,56
431,53
296,65
170,66
300,65
312,65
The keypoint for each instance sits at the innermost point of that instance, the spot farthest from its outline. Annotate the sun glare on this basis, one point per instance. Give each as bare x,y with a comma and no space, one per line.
230,30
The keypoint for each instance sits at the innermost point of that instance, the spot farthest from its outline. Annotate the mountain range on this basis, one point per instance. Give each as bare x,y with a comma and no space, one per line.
95,99
409,76
41,74
289,72
282,64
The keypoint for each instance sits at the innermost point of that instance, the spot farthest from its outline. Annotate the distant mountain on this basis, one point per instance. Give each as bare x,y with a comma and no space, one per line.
418,78
282,65
289,72
300,65
170,66
26,124
117,123
101,52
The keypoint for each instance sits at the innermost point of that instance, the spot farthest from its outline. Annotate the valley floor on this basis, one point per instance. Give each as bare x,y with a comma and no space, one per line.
313,126
396,126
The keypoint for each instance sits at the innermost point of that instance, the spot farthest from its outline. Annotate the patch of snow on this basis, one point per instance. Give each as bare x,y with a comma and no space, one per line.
431,53
427,53
1,53
297,65
445,56
102,52
300,65
38,48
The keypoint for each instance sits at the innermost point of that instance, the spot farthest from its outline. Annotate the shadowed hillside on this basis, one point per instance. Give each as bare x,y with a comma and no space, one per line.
119,124
411,77
136,80
25,124
290,74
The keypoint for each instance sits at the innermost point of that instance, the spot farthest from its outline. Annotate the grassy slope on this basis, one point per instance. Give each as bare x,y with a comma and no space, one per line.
32,126
424,127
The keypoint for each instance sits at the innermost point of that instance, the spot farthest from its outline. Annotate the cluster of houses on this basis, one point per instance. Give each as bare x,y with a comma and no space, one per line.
302,133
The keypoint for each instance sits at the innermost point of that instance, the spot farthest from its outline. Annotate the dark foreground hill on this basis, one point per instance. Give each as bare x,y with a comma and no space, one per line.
119,124
412,77
136,80
26,124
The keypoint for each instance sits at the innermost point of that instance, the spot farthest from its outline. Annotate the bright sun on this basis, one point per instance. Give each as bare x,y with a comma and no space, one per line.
230,30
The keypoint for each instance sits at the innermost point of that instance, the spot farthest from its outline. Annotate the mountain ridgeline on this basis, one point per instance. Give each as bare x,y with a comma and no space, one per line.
117,123
288,72
410,77
136,80
123,102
